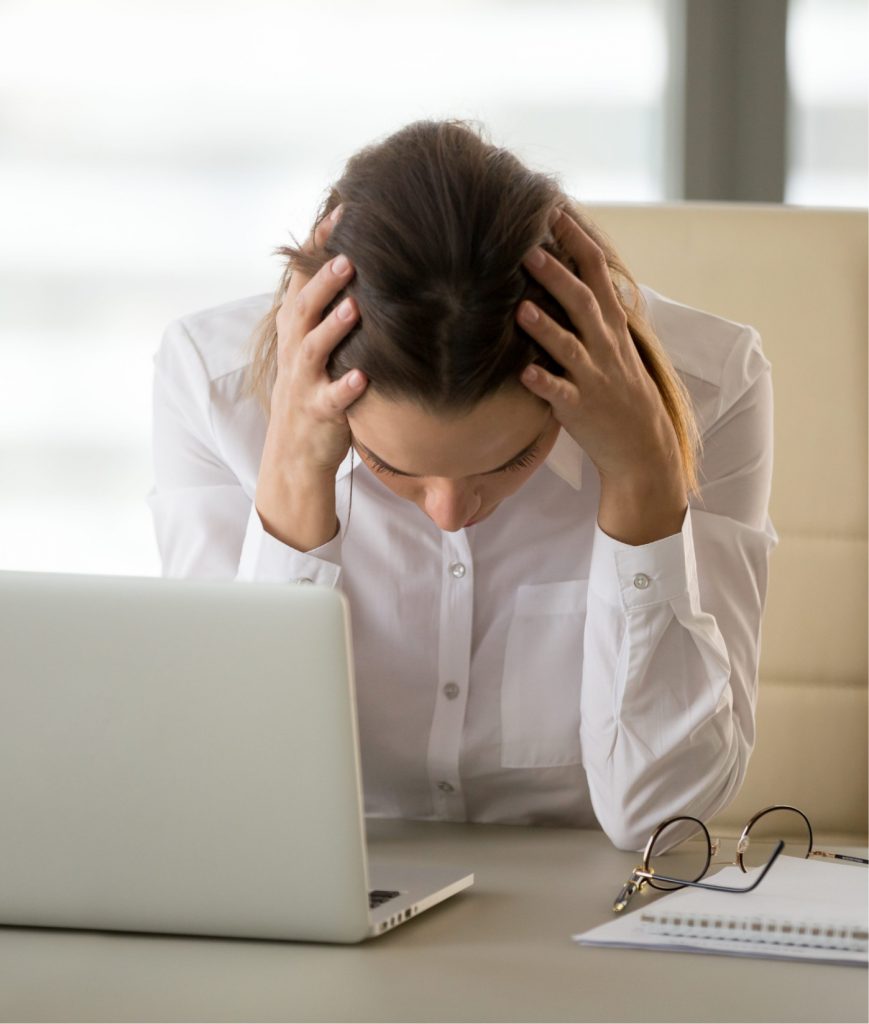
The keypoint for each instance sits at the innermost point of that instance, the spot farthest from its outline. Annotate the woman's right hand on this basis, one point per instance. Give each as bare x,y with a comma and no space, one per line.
308,434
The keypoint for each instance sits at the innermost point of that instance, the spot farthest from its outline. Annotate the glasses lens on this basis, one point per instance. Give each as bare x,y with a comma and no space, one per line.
679,850
768,829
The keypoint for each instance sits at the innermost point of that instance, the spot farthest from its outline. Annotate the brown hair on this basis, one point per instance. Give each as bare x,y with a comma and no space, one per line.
436,221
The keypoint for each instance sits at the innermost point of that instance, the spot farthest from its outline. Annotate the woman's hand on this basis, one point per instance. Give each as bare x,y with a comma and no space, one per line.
308,409
606,401
308,434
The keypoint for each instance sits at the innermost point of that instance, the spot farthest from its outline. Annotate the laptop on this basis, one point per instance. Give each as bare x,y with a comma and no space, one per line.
182,756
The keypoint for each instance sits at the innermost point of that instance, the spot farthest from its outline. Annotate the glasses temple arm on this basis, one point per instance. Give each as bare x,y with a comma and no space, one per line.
720,888
839,856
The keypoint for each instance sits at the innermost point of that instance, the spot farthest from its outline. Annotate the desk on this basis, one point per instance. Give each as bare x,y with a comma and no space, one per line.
499,952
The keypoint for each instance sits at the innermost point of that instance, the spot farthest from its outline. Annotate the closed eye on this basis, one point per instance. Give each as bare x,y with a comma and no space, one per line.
520,462
378,467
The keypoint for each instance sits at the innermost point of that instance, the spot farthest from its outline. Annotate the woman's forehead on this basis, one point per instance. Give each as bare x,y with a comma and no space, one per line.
421,443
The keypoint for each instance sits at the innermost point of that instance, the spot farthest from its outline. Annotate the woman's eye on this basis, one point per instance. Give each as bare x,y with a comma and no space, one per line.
522,462
378,467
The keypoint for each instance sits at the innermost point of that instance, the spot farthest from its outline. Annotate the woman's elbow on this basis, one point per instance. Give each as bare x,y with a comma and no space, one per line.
630,816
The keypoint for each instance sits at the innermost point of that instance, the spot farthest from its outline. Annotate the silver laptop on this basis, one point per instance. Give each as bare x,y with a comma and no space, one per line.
182,756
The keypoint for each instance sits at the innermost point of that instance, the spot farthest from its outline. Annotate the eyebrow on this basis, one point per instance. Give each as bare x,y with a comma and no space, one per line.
401,472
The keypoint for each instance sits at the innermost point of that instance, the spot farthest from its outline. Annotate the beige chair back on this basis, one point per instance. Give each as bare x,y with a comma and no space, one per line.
800,277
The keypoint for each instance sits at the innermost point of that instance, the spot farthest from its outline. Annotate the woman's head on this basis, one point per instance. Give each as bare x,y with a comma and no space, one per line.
456,467
436,221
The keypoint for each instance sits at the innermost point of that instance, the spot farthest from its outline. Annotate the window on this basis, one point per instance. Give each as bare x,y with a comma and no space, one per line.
827,73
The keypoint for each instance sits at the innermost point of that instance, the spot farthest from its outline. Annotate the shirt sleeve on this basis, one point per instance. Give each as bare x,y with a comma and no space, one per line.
206,525
672,635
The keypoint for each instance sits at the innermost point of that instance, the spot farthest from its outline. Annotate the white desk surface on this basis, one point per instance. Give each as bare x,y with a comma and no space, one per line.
499,952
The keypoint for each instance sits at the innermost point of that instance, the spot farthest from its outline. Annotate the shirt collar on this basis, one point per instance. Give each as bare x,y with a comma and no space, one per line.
565,460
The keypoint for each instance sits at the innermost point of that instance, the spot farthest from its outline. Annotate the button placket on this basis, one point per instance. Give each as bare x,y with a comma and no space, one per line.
454,655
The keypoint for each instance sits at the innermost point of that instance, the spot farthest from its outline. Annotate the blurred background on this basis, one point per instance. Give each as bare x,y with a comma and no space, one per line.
152,155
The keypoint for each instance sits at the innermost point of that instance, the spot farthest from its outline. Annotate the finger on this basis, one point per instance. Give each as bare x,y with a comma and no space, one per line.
592,264
337,396
561,394
300,315
322,230
564,347
319,343
573,295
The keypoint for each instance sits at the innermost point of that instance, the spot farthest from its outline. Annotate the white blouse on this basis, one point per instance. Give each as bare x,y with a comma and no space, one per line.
528,669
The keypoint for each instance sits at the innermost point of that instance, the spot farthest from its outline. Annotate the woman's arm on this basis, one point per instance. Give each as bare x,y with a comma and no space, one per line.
672,629
670,672
206,525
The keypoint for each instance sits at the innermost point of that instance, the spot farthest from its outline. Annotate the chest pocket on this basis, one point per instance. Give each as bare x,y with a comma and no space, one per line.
542,670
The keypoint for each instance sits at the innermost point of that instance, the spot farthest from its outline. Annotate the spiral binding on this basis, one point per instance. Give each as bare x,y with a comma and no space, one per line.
813,933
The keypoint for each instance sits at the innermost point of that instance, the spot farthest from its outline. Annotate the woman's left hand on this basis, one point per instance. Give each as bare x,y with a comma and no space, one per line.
606,400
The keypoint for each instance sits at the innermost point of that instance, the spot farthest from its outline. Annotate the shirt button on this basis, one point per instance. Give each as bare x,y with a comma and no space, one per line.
304,579
451,691
641,581
457,569
445,787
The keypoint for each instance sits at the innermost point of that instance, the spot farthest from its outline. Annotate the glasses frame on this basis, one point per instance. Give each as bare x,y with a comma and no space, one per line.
743,841
644,874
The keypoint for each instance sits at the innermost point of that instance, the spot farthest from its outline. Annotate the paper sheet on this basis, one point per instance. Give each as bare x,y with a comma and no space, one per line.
797,891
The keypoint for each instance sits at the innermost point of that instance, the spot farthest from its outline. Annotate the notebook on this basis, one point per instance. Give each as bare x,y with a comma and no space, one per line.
803,910
182,756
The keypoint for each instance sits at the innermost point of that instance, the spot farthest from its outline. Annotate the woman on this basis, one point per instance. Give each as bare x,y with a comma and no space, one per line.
556,601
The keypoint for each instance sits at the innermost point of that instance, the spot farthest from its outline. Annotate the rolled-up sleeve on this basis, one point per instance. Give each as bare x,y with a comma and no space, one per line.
672,633
206,524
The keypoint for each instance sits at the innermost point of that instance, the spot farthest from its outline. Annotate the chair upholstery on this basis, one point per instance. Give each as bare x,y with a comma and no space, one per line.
800,277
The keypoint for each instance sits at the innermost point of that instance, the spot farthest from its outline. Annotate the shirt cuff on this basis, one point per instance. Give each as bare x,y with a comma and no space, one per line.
639,576
265,559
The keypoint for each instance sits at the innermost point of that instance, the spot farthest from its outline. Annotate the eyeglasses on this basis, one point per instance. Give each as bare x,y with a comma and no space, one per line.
763,830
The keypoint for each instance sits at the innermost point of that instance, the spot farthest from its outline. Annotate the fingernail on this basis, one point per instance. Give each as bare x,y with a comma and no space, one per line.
345,310
528,312
355,380
554,215
536,257
529,374
340,265
335,215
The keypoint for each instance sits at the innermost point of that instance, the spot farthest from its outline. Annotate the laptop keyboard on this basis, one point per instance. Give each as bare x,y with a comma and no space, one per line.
378,896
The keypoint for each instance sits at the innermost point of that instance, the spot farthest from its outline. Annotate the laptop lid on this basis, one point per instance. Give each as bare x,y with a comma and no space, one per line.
179,756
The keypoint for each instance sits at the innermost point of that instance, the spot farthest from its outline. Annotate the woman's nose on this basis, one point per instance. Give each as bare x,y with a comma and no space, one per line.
449,504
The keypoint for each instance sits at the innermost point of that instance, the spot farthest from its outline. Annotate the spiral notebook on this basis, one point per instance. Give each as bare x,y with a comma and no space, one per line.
803,910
